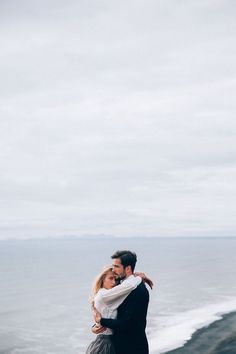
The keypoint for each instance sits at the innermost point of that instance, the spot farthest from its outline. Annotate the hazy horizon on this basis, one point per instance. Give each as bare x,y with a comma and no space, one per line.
118,118
106,237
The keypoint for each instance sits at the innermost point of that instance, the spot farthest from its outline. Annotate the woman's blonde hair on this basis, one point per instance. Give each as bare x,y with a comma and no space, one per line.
98,283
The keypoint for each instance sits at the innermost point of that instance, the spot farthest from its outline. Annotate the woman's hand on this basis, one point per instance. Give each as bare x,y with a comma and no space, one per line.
140,274
145,278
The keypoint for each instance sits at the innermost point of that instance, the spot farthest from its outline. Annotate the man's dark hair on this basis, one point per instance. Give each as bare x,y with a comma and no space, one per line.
127,258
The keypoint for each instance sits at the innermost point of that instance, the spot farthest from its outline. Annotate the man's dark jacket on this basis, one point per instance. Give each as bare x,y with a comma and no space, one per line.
129,327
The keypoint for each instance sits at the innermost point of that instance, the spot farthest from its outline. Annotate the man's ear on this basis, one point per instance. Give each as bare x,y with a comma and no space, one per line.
128,270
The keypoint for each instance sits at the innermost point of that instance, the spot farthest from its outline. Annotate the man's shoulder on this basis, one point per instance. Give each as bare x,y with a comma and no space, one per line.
139,291
139,295
141,288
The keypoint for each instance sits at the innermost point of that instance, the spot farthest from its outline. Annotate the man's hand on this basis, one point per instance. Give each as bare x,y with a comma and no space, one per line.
98,329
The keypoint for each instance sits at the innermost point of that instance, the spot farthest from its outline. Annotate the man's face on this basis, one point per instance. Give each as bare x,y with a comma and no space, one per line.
118,269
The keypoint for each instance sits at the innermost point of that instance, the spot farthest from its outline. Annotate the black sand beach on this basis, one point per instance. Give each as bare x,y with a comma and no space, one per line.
218,338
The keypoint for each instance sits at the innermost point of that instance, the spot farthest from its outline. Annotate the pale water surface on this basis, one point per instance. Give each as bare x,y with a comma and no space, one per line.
45,287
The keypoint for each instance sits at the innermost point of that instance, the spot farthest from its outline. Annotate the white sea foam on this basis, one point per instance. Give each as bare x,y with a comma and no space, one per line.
177,329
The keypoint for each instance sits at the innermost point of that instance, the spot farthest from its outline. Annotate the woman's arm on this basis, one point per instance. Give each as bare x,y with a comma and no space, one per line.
117,294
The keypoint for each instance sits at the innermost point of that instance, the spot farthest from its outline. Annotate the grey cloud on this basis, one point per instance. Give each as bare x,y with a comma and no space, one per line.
117,118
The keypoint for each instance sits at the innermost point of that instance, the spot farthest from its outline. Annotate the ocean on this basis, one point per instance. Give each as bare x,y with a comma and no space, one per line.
45,287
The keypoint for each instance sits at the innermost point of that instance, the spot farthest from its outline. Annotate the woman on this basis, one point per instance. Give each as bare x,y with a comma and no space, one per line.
106,298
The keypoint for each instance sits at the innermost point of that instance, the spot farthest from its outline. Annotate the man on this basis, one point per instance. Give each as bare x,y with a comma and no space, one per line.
129,327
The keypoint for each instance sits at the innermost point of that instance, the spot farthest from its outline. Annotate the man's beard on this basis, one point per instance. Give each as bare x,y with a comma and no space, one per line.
121,277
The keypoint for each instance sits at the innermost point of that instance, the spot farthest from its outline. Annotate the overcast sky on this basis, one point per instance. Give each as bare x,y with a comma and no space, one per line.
117,118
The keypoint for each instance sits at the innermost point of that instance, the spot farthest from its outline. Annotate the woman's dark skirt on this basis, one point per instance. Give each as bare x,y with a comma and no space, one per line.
103,344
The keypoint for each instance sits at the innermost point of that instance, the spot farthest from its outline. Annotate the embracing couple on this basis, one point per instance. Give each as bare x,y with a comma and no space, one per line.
120,302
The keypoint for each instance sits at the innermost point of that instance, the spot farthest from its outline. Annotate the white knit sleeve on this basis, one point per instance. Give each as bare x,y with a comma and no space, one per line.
115,296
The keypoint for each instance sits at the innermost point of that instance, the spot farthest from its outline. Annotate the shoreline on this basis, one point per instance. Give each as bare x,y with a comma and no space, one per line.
217,338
